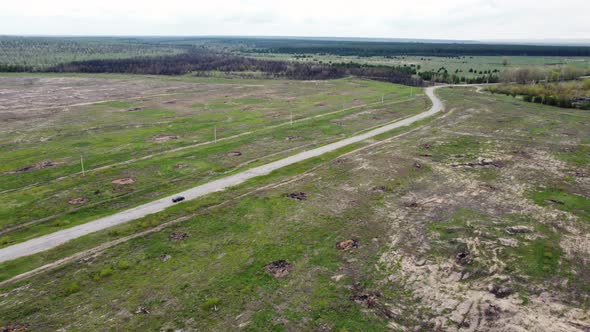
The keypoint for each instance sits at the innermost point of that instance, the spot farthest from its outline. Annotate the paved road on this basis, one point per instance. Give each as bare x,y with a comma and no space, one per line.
52,240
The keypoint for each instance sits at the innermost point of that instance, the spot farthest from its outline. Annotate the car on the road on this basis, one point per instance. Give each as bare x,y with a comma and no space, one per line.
177,199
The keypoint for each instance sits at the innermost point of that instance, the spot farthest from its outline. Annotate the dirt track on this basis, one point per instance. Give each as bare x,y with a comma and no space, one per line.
52,240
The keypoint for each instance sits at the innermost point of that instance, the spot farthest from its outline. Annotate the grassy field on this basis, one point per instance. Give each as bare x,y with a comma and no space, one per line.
160,133
475,219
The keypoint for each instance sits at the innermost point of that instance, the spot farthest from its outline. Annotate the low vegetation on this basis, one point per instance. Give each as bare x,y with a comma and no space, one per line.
474,220
572,94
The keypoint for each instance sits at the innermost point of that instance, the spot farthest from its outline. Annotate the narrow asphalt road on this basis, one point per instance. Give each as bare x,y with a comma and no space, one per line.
52,240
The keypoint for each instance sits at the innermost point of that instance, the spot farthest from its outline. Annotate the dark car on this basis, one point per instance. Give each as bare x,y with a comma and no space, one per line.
177,199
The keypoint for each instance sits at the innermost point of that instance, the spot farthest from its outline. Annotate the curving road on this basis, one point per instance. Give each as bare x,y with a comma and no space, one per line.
52,240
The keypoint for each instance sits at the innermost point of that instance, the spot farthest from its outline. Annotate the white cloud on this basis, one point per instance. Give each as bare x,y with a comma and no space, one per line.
451,19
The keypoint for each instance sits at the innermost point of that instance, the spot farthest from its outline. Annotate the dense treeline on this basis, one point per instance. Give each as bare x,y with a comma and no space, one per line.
443,76
573,94
374,48
15,68
42,52
201,62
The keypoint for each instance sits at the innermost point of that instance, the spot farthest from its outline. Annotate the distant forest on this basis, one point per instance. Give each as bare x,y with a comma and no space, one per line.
205,56
370,48
201,62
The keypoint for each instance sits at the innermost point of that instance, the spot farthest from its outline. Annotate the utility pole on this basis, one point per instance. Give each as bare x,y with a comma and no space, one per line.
215,134
291,118
82,164
382,96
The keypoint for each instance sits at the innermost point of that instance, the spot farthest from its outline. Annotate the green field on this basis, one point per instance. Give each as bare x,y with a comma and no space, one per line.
492,192
163,139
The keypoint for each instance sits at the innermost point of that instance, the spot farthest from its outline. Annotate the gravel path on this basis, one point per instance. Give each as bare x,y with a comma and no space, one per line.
52,240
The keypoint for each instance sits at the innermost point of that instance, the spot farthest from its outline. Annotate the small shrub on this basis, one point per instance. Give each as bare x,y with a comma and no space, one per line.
103,273
210,304
123,264
5,240
72,288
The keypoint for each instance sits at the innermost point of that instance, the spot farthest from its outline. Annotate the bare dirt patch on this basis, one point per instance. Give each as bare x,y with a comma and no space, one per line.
300,196
371,300
234,153
78,200
347,244
279,269
178,236
135,109
379,189
164,257
123,181
141,310
164,138
481,162
14,328
40,165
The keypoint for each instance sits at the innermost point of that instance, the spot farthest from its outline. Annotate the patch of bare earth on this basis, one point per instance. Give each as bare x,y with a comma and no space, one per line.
279,269
78,200
457,300
164,138
123,181
40,165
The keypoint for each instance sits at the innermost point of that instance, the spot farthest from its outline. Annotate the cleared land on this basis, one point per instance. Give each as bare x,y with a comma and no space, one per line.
52,240
145,138
477,220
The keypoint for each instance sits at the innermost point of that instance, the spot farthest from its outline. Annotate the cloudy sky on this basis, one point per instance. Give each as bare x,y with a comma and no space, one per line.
432,19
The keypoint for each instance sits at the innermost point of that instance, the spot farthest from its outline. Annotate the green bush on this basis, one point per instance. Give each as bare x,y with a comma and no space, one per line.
210,304
123,264
72,288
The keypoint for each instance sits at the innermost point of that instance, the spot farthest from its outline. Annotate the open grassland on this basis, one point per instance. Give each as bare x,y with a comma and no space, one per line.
144,138
476,220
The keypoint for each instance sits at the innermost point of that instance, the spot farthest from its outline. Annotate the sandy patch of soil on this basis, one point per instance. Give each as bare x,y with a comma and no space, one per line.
123,181
164,138
488,302
78,200
347,244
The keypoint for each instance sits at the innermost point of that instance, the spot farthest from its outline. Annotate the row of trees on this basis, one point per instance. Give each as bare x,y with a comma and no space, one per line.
201,62
443,76
384,48
572,94
526,75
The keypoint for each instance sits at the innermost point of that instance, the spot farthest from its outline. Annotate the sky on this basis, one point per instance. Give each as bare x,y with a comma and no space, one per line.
425,19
